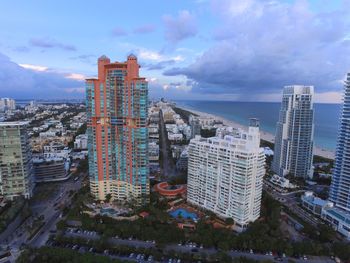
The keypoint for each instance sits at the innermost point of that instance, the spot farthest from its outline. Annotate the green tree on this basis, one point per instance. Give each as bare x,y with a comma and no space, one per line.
229,221
108,198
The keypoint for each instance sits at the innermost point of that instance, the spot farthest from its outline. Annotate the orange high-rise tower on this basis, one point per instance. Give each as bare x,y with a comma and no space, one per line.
117,106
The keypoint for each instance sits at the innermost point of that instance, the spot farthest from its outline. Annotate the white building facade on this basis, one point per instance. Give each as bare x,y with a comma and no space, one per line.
225,175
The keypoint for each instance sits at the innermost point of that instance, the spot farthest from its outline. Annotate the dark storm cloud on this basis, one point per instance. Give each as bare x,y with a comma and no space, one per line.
263,45
19,82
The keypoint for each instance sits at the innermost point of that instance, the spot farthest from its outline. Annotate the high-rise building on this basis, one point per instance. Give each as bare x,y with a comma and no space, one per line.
16,176
293,151
340,187
225,175
117,108
195,126
7,104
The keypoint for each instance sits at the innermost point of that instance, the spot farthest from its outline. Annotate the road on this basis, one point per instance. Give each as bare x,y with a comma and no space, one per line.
114,241
168,168
189,249
51,213
291,201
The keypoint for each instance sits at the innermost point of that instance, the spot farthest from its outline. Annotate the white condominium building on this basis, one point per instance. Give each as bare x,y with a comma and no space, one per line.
225,175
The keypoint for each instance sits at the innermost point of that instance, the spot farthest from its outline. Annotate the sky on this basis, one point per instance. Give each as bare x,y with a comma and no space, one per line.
239,50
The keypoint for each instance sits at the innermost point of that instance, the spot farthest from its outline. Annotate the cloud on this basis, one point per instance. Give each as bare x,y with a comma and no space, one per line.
329,97
85,58
34,67
145,29
21,49
261,46
149,55
160,65
75,90
76,76
163,63
119,32
50,43
157,89
179,28
155,56
32,81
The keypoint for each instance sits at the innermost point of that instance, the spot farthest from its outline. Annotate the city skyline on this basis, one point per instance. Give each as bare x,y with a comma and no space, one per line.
175,131
45,55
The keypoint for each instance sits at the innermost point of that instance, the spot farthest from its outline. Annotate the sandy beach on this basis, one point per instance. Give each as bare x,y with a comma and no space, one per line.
264,135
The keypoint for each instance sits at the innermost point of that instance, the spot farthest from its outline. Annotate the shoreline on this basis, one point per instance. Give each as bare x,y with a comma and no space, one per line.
264,135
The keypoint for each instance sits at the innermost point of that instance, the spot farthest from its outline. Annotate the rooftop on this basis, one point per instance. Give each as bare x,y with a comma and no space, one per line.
340,214
308,196
14,123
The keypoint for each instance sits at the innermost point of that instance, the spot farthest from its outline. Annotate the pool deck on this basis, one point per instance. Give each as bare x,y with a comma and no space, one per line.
189,209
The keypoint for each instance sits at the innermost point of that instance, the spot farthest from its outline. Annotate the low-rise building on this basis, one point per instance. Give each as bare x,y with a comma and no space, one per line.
53,146
175,137
51,169
168,115
59,153
47,134
281,181
195,126
80,142
314,204
268,151
153,152
79,155
182,162
339,219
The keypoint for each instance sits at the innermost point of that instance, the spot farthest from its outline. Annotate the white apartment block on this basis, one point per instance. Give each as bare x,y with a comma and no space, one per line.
81,142
225,175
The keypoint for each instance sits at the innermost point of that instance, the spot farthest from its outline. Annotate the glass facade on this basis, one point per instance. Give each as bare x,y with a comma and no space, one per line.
340,187
15,160
293,151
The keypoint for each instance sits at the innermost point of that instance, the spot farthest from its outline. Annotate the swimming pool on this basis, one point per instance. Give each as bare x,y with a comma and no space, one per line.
108,211
181,212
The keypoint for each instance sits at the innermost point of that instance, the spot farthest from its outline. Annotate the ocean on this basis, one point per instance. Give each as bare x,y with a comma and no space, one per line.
326,116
